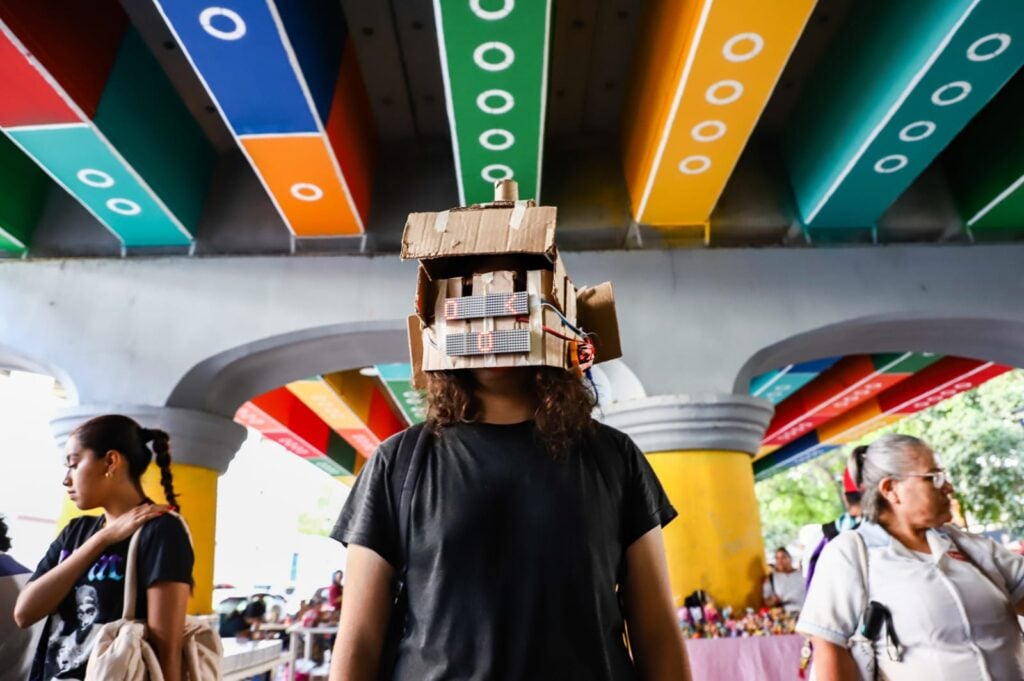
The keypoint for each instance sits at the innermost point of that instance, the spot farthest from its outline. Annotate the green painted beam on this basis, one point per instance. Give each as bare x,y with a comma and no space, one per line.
985,165
494,58
22,189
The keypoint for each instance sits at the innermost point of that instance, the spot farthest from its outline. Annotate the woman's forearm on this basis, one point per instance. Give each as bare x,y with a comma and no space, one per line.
832,662
169,654
42,596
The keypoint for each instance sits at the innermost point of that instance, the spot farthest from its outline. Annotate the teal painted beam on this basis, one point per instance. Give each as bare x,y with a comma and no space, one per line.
142,116
494,59
985,165
84,98
902,79
22,189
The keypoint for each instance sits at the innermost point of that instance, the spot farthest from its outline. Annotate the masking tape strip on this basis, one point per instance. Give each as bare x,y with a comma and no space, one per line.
536,318
441,221
488,281
515,221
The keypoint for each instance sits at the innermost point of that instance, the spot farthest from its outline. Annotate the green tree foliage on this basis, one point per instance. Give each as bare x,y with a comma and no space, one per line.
978,437
799,496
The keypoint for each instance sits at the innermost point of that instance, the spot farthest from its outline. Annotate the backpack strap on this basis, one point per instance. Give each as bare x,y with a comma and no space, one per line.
408,463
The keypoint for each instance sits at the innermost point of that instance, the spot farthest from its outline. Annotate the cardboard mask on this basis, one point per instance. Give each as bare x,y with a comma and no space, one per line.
492,291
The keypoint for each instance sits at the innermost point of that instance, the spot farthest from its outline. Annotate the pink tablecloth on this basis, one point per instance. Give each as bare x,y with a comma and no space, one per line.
763,658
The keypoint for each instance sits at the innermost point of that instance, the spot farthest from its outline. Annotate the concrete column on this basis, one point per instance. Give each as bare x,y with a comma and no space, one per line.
202,446
700,447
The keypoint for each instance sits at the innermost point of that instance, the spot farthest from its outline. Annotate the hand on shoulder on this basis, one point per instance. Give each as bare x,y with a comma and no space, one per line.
125,525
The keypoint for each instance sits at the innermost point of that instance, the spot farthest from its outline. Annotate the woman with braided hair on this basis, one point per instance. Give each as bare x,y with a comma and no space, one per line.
79,583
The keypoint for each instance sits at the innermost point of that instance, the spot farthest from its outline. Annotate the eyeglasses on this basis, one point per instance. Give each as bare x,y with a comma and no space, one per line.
939,478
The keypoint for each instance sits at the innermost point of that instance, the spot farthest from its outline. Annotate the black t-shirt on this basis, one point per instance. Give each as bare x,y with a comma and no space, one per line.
165,555
515,556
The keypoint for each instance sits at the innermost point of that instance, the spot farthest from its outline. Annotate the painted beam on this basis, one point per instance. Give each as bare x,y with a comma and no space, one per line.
941,380
494,58
985,165
845,385
285,79
85,99
282,417
353,406
397,381
701,82
22,190
901,80
775,386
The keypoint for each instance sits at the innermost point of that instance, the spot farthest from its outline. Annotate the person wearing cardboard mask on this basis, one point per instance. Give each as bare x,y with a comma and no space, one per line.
526,537
906,594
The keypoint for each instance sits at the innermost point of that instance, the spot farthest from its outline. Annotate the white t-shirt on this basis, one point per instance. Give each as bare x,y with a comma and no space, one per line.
788,586
952,620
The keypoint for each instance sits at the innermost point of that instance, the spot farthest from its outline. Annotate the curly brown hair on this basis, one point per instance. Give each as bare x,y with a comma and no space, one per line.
564,404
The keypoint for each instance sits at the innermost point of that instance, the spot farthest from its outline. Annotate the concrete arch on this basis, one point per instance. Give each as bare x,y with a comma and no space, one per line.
983,338
223,382
20,361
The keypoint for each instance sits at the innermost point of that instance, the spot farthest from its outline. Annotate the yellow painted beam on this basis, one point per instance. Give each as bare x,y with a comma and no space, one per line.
703,78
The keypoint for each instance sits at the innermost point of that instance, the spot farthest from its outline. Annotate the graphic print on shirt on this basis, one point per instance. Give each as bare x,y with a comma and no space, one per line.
71,641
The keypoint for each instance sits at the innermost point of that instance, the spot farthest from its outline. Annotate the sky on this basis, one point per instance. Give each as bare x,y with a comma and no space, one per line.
261,500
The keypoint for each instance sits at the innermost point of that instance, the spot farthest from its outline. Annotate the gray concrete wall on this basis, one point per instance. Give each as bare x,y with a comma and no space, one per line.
128,331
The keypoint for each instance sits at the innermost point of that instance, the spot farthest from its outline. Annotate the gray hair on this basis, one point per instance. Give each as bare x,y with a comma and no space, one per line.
890,455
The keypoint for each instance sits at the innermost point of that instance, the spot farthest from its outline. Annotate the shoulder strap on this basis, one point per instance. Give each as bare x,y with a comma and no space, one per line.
404,478
862,556
131,577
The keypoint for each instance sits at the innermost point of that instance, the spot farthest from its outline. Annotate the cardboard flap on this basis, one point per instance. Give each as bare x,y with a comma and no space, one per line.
419,379
595,312
479,232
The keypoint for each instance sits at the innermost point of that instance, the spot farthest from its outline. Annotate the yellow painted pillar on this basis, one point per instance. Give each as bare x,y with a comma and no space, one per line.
701,450
202,445
715,544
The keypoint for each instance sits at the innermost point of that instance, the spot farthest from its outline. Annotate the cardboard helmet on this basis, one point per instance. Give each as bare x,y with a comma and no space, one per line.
492,291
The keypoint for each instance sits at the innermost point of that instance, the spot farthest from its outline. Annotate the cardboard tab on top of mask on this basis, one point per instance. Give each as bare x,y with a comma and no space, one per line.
492,291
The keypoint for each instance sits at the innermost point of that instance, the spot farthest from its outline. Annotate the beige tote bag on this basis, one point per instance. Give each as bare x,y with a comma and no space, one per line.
122,652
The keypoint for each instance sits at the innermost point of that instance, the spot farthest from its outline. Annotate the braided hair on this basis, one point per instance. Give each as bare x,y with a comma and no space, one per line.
137,444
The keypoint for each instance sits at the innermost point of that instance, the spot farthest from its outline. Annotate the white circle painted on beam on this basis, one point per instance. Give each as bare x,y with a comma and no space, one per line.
714,96
207,16
962,87
507,56
124,207
752,42
507,101
306,191
890,164
95,178
492,14
974,53
916,131
708,131
506,138
694,165
488,173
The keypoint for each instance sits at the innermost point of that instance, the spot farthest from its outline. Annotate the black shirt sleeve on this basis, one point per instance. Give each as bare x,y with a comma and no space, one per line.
53,554
646,504
369,516
165,552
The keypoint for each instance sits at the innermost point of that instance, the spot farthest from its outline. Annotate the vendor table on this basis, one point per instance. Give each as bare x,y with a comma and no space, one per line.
308,633
245,659
765,658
